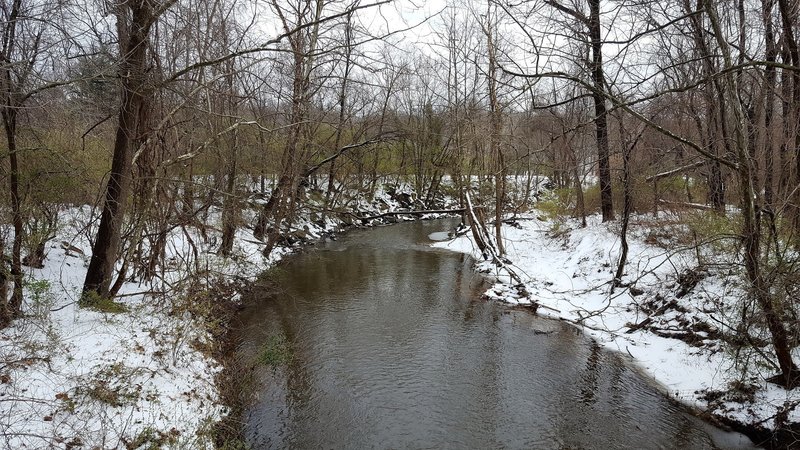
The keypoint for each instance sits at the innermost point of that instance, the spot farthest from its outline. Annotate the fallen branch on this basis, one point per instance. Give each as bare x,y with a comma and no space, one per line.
636,327
699,206
483,239
310,171
548,307
661,175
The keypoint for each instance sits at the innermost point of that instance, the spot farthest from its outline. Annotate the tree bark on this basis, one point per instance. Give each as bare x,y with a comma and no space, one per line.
494,140
279,206
18,222
133,50
348,56
5,312
715,111
626,206
788,13
230,208
600,112
11,102
769,102
230,204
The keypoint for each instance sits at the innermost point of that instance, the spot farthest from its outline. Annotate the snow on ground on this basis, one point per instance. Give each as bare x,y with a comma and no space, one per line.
72,377
75,377
568,271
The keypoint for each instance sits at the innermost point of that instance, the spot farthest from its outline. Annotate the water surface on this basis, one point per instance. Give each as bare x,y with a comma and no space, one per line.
387,344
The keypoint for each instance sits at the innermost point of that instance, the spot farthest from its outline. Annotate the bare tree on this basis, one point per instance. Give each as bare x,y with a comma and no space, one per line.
28,34
496,119
303,46
134,22
595,65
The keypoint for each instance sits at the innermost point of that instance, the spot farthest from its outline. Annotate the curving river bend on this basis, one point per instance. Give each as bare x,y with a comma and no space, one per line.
384,342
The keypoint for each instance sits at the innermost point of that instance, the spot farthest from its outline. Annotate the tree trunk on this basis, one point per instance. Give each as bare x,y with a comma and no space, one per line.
282,199
10,108
18,222
600,112
786,113
769,102
627,203
348,51
715,110
230,204
5,311
716,187
133,53
626,214
792,136
494,141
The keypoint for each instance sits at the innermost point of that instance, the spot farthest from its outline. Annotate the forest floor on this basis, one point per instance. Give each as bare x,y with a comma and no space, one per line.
673,319
138,372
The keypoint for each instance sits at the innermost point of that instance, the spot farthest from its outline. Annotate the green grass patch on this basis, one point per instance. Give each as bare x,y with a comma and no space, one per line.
97,302
275,352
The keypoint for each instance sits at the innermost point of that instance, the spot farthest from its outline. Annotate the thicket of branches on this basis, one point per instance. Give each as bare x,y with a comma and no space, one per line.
159,111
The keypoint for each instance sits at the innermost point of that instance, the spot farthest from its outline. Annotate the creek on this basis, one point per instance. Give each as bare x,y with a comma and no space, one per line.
378,340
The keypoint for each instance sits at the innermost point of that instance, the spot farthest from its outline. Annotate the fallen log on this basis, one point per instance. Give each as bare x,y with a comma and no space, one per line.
411,213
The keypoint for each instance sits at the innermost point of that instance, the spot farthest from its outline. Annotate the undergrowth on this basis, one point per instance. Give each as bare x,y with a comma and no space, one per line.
100,303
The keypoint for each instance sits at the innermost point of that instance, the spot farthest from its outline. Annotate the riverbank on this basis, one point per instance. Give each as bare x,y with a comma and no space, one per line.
144,370
137,372
672,318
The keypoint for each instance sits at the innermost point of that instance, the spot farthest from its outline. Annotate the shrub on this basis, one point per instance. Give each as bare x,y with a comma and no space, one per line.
40,297
721,231
556,204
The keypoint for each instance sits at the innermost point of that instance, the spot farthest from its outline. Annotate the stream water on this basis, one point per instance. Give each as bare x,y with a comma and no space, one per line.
379,341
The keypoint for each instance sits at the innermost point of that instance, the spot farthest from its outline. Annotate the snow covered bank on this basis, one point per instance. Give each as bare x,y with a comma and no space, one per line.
670,320
139,372
130,374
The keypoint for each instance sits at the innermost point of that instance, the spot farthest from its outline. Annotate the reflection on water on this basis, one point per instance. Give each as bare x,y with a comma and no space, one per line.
392,347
